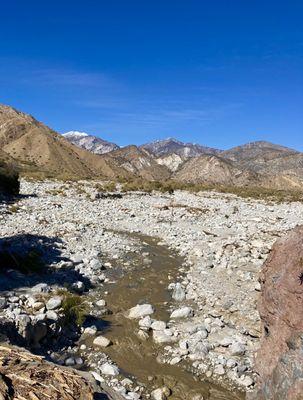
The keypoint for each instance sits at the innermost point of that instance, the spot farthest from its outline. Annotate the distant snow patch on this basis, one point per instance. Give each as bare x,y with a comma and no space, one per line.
75,133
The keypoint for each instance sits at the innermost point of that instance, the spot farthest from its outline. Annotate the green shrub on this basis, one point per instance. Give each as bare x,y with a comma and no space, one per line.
9,179
74,309
109,187
13,209
106,187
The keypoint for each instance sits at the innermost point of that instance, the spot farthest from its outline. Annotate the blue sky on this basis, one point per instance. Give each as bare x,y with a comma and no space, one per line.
217,72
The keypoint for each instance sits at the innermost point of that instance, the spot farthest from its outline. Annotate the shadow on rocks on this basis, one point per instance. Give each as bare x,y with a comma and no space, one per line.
7,198
30,264
26,260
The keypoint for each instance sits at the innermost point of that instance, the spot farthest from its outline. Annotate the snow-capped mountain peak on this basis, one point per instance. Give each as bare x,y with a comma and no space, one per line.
89,142
75,134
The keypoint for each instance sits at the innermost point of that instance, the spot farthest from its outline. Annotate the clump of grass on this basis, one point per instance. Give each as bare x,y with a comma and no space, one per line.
74,308
106,187
80,191
13,209
109,187
28,263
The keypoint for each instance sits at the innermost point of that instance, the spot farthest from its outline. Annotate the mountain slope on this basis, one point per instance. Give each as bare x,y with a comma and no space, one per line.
173,146
280,167
89,142
171,161
284,172
212,169
138,162
256,155
275,169
38,148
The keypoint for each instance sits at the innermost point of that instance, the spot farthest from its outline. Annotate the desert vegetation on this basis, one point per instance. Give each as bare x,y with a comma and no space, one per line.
9,178
244,192
74,309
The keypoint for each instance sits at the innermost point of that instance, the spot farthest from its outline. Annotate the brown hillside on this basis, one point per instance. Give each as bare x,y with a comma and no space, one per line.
256,155
211,169
279,166
38,148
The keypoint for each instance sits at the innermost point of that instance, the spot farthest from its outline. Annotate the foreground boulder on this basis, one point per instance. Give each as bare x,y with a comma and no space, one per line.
279,361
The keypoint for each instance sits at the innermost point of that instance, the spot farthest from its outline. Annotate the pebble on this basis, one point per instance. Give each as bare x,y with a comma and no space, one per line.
142,335
90,330
183,312
100,303
165,336
158,325
160,393
109,369
178,293
70,362
52,315
102,341
53,303
140,310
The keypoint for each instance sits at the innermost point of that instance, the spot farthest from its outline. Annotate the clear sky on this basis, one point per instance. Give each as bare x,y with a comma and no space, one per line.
217,72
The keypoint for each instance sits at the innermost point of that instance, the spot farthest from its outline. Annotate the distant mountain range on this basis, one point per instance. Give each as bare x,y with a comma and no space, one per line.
39,150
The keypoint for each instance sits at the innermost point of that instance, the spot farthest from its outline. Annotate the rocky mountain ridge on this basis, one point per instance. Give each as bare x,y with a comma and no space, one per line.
259,163
38,149
173,146
138,162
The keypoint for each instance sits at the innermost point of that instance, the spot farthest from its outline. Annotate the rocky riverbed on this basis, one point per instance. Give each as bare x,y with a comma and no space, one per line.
196,319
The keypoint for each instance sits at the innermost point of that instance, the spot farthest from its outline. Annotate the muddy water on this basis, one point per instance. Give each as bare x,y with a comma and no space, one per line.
146,282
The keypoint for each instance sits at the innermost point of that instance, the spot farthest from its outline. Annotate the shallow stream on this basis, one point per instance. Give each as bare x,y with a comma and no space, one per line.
146,281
